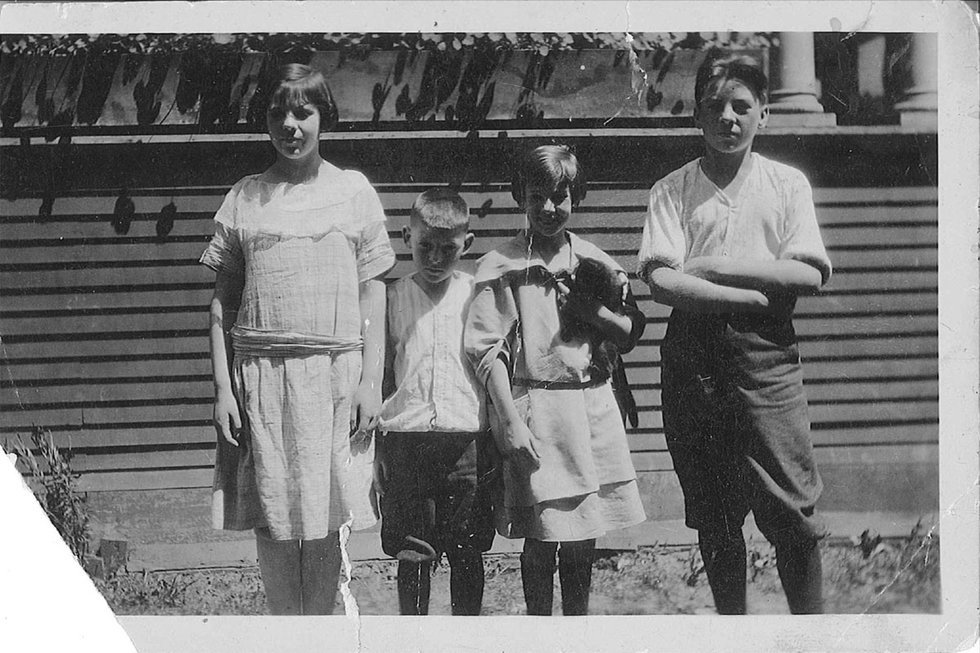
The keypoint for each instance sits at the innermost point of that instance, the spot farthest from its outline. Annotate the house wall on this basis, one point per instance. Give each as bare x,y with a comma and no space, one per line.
104,335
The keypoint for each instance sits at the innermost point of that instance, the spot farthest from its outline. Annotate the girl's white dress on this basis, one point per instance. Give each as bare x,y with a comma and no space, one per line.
302,251
586,484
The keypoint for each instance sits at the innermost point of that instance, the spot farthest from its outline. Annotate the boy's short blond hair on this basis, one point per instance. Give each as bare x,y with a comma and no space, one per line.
441,208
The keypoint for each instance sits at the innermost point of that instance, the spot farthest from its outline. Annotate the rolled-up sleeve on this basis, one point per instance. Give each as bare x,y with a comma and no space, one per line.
490,324
224,252
663,242
801,240
374,253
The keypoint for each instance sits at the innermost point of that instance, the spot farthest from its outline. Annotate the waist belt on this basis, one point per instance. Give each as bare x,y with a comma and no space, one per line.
557,385
246,340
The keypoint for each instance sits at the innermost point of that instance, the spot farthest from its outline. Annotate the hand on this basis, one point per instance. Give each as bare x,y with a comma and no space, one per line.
365,409
625,281
227,419
518,447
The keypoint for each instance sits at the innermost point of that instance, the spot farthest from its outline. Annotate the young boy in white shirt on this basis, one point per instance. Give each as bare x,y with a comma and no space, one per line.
433,462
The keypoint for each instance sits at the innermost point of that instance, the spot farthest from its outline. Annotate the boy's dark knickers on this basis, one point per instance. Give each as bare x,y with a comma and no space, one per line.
437,494
737,428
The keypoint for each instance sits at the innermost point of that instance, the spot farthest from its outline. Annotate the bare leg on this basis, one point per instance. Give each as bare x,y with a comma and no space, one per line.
279,563
321,561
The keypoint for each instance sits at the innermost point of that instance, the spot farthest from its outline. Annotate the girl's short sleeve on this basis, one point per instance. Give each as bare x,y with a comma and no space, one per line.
663,242
374,253
490,321
224,252
801,239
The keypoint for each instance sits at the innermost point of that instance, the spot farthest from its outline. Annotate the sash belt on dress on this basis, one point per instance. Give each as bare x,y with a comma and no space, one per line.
246,340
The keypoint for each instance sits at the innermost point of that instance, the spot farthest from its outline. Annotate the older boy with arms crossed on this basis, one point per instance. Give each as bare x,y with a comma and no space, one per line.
730,241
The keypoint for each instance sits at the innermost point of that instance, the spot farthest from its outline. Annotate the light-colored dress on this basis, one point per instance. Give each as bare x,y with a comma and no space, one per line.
302,250
586,484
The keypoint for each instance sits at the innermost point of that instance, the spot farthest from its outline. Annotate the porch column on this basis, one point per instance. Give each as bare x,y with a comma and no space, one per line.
921,103
793,96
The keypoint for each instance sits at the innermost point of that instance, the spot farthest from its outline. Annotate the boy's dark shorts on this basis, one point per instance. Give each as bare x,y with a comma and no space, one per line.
437,492
737,427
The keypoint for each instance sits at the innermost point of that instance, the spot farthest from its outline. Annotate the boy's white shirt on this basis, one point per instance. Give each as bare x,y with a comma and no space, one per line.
435,387
771,217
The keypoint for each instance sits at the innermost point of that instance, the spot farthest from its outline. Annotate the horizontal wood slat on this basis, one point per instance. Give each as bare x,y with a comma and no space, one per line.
832,461
104,335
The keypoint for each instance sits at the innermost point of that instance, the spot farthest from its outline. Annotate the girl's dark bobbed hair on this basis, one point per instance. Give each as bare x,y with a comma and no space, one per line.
720,66
549,165
298,84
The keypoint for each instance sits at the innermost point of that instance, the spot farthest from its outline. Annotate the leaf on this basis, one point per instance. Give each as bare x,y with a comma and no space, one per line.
546,69
677,108
11,111
165,223
484,209
654,98
47,207
400,62
132,64
75,67
96,84
403,102
665,68
191,71
45,108
257,106
122,214
486,103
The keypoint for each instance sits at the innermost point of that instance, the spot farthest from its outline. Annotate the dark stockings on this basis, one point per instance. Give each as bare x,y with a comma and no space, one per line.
801,573
798,564
465,584
414,585
574,574
466,581
724,563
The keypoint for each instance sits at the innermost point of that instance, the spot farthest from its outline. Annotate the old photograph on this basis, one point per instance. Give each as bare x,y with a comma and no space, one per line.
421,324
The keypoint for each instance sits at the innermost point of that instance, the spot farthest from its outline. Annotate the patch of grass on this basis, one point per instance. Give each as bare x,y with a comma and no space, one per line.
206,591
898,576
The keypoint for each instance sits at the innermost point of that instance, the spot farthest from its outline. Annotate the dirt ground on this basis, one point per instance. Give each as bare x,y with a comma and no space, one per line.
890,576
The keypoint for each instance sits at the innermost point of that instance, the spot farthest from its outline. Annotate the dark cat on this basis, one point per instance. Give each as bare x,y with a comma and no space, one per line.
594,279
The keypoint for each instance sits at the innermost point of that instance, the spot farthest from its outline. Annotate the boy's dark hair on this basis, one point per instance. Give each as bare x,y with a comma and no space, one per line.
441,208
721,66
298,84
549,165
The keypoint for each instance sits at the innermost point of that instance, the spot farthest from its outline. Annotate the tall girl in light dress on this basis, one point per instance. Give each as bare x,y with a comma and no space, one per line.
297,337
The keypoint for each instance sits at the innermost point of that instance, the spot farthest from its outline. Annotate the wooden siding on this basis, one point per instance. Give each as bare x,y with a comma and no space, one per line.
104,336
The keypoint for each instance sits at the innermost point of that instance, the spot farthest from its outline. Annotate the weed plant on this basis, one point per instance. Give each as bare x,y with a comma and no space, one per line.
54,484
